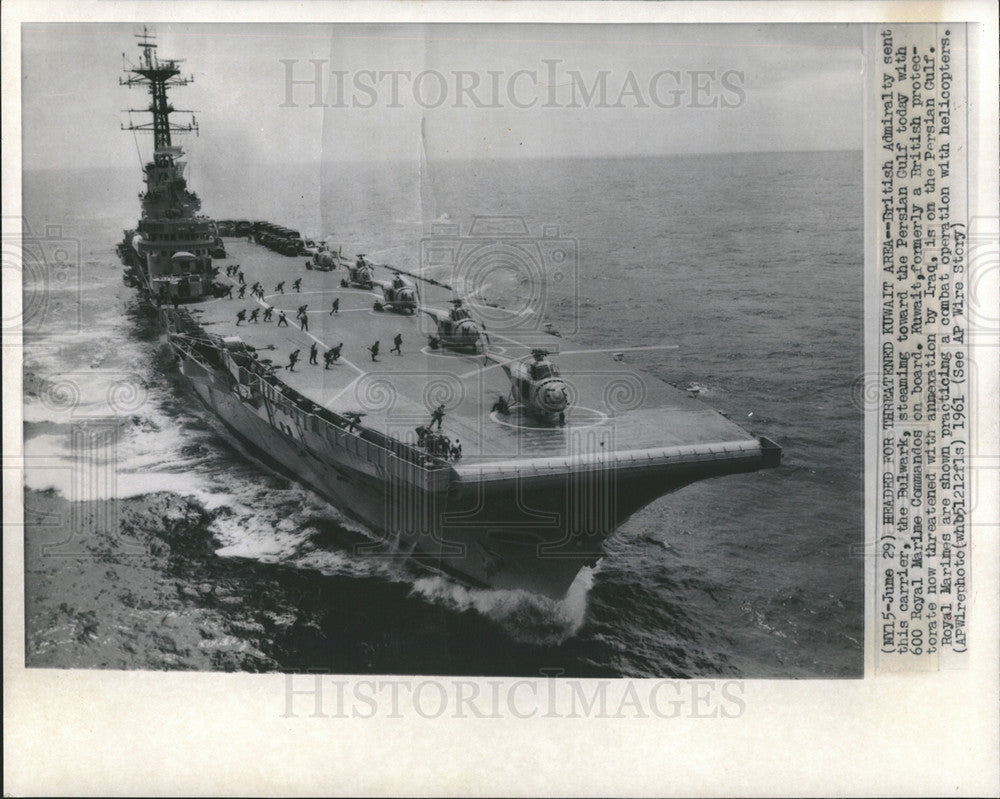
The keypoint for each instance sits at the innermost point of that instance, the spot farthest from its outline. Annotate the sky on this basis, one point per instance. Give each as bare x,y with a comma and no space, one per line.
407,92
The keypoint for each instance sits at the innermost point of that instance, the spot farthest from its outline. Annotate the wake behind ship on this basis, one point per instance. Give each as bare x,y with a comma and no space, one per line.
503,457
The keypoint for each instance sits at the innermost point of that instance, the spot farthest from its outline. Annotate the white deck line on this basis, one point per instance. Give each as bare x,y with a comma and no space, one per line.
634,458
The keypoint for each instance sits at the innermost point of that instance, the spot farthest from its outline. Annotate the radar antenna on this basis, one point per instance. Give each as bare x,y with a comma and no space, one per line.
157,74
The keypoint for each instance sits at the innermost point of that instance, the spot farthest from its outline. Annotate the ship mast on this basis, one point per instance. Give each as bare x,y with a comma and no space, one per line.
157,75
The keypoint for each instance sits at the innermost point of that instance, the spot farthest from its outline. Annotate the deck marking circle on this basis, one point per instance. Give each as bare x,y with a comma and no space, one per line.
597,419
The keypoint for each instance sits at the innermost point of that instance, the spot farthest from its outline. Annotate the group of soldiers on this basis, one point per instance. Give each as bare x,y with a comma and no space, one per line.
436,444
302,316
296,284
397,346
256,290
331,356
255,317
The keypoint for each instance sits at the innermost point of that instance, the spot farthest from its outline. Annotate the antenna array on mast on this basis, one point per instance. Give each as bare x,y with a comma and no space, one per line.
157,75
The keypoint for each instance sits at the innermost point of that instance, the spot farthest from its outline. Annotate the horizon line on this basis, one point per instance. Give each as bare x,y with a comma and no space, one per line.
451,159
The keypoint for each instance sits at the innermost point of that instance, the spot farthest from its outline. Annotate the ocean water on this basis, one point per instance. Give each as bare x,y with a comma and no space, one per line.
750,263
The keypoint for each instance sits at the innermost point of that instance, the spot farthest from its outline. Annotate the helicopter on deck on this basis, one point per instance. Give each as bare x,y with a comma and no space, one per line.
536,387
325,259
361,275
456,329
400,295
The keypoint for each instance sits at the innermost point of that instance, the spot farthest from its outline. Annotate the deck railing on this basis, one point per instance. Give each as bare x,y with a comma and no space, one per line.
337,429
305,415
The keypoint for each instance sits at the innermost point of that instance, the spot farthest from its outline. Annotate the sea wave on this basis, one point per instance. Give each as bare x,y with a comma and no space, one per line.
524,616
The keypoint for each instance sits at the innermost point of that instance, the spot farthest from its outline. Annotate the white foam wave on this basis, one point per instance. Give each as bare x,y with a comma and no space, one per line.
284,531
272,523
133,454
524,616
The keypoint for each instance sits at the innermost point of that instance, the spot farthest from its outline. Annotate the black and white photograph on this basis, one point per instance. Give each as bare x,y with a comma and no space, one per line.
493,364
445,349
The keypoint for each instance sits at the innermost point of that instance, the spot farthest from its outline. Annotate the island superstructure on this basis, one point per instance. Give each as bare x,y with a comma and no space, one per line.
504,457
169,253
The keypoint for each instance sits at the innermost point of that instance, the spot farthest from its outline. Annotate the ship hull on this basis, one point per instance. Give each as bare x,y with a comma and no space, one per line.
474,554
512,531
524,503
529,505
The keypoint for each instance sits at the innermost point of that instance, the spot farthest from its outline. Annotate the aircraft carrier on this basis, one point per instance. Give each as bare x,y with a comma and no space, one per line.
499,453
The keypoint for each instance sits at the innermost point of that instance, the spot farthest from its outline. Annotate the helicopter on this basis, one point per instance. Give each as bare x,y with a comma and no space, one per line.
456,329
400,295
536,387
325,259
360,275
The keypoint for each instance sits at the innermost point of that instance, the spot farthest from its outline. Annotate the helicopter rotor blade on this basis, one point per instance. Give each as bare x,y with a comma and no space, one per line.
620,349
